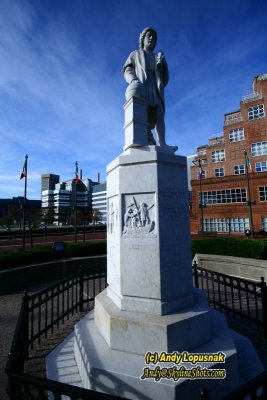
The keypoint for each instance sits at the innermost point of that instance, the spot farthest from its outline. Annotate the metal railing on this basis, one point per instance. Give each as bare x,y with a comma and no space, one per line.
39,315
45,311
236,296
52,306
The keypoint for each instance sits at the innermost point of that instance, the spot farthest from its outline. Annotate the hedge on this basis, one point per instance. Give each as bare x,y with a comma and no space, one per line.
90,248
230,246
46,253
53,229
21,257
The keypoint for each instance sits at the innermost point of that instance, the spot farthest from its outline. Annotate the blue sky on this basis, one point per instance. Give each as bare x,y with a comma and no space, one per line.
62,90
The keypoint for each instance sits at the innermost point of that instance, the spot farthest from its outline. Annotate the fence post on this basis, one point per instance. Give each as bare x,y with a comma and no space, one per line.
25,304
264,305
81,289
195,274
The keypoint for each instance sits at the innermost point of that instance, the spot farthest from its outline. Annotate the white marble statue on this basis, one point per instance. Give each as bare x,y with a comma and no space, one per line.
147,75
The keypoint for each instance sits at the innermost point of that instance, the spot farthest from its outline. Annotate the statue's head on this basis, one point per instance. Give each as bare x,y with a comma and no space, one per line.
143,34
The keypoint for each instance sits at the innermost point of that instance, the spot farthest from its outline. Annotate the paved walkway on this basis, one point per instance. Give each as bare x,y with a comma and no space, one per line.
9,309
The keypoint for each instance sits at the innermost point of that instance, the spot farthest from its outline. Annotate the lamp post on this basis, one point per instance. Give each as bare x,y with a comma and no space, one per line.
201,203
250,202
75,201
75,214
24,175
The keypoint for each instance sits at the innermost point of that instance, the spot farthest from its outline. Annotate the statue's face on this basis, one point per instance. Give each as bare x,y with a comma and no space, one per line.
149,41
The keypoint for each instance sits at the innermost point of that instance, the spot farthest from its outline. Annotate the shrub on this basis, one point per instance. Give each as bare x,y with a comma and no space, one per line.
230,246
21,257
46,253
91,248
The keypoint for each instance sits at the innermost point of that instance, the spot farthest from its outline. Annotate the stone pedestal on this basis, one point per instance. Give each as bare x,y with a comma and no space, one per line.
108,370
135,126
150,304
149,247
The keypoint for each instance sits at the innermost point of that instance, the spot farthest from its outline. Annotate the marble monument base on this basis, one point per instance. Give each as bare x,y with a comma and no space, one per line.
150,304
112,359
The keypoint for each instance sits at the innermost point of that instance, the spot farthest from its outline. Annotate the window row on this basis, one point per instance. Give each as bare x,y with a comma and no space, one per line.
223,196
229,224
257,149
225,224
238,170
229,196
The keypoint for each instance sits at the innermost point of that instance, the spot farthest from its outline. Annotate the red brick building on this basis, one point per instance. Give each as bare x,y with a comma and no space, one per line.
223,188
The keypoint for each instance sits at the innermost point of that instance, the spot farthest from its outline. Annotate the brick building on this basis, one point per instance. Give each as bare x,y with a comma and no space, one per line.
223,188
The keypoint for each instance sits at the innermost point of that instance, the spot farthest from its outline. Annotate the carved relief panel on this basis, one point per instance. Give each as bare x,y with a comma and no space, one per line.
138,213
112,214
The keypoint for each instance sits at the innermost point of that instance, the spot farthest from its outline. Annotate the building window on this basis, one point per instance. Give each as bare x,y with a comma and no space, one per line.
258,149
219,172
203,174
232,118
217,156
261,166
224,196
256,112
239,169
236,135
264,223
226,224
263,193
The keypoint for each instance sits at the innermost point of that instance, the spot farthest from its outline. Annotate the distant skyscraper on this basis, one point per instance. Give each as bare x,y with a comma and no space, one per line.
49,181
60,199
99,202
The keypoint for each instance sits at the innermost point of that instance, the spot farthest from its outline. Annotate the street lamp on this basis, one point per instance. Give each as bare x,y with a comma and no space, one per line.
250,202
202,204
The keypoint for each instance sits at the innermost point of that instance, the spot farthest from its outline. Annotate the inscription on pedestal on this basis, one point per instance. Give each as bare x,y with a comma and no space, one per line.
174,203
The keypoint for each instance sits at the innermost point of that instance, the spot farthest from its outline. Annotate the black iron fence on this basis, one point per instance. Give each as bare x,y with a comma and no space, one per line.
236,296
43,312
50,307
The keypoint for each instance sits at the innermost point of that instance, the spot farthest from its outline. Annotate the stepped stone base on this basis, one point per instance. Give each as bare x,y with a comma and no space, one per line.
118,372
136,332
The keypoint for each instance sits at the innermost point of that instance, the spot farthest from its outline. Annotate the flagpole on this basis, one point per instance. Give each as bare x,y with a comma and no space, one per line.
249,202
201,205
25,202
75,204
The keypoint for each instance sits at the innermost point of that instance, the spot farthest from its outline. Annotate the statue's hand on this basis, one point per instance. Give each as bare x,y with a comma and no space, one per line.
135,89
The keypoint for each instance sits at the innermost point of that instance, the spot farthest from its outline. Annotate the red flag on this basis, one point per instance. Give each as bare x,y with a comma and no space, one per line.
24,170
76,174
